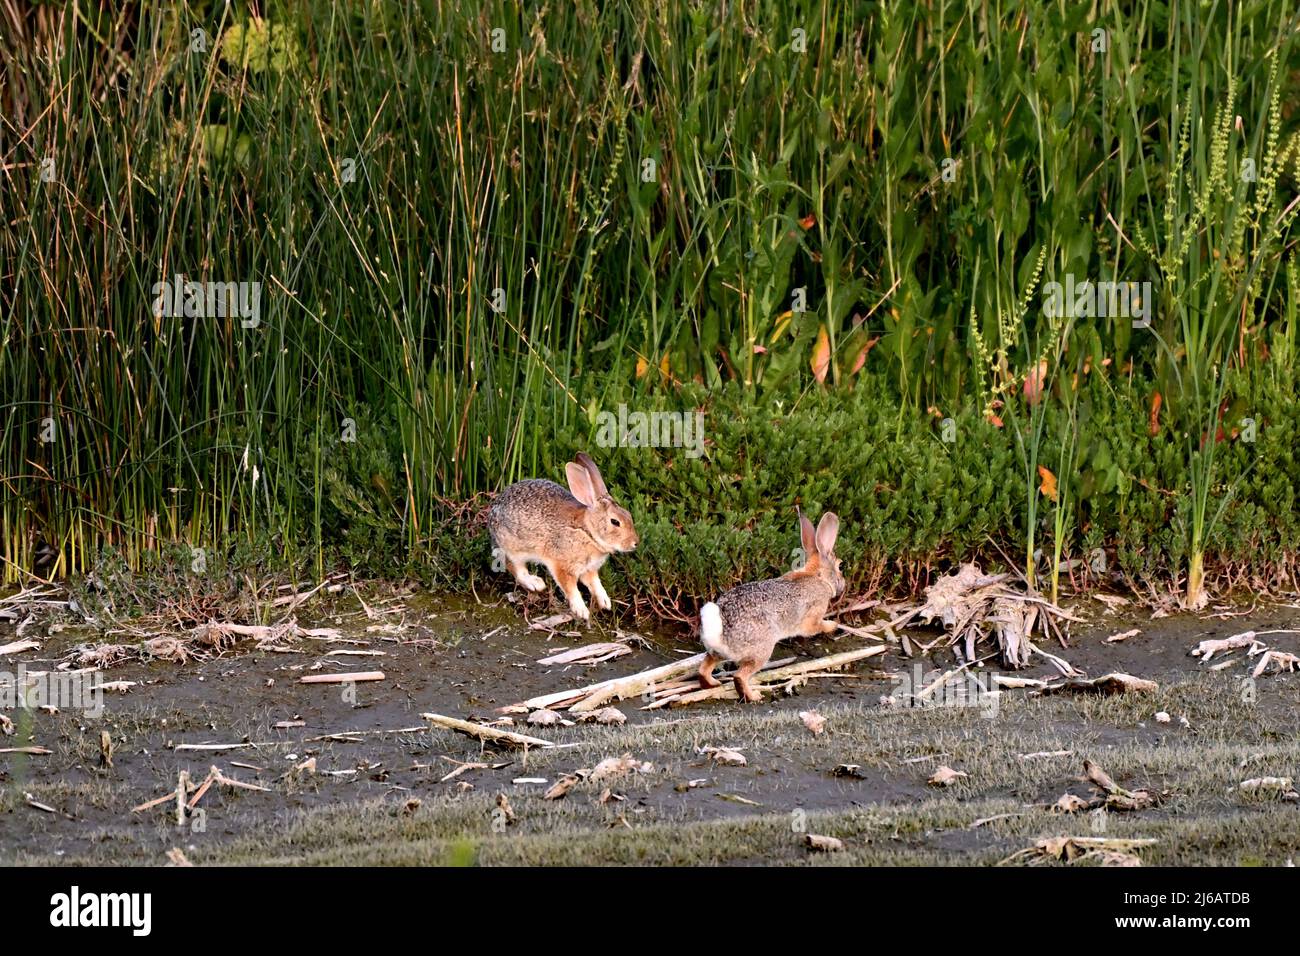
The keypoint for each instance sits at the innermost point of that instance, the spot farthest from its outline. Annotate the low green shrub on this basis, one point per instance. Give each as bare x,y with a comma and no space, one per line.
911,501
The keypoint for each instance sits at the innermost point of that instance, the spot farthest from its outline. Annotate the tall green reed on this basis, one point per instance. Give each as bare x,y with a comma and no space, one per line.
463,256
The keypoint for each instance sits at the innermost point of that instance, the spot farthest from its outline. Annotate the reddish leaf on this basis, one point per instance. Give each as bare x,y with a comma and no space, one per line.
821,359
1034,382
861,360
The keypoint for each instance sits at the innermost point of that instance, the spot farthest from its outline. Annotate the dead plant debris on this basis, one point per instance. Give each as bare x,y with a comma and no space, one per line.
972,606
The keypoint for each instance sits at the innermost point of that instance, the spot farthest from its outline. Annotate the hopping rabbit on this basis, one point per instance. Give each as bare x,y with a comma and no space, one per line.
745,624
571,533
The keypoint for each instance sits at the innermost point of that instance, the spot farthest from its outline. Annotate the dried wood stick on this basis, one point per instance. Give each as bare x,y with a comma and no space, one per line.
203,788
624,687
363,733
351,677
776,675
586,652
222,779
182,789
486,734
166,797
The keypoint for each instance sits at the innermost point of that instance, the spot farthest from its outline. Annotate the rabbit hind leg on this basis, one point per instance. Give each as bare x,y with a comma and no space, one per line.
706,671
744,672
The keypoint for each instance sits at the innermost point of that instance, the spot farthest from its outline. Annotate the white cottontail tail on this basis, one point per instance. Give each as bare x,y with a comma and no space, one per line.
745,624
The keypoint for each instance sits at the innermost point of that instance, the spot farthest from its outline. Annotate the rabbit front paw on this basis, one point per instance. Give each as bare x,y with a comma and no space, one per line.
531,582
579,608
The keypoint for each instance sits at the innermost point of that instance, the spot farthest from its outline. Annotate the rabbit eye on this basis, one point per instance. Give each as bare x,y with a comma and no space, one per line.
615,522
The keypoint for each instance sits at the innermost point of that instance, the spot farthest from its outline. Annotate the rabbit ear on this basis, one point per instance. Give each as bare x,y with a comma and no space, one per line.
828,530
597,482
580,483
807,536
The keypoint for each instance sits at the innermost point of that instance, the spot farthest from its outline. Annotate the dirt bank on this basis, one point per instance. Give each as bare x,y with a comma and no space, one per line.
466,660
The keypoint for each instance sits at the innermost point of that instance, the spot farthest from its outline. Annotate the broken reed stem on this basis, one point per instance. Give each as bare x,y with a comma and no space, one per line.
486,734
777,675
620,688
943,679
203,788
182,790
348,678
185,785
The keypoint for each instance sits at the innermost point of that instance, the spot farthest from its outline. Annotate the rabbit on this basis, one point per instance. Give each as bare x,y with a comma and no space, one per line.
572,534
745,624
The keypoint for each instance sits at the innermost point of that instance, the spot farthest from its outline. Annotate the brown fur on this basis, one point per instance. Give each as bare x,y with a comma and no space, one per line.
756,615
570,531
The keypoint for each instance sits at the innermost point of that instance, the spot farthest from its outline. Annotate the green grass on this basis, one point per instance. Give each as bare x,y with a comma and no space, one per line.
888,817
923,833
390,178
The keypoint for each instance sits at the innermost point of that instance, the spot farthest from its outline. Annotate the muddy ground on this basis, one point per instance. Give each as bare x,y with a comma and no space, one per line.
379,797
